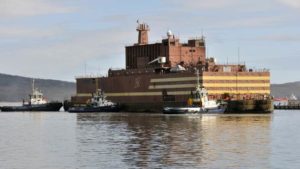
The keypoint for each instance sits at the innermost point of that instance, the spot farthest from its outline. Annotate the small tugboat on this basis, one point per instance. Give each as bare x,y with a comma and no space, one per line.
98,103
36,102
197,103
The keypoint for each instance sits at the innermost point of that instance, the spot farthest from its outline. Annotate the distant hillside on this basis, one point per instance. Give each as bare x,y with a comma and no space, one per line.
286,89
16,88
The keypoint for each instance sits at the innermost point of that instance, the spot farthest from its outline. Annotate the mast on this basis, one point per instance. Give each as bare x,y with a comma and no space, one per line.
96,85
32,85
198,78
197,95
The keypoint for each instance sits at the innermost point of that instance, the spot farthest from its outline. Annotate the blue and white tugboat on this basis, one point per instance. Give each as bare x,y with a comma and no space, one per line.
98,103
198,103
36,102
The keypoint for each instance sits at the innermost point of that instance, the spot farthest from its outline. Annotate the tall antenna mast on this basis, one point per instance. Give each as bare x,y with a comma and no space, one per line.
85,68
96,84
238,55
32,85
227,61
198,78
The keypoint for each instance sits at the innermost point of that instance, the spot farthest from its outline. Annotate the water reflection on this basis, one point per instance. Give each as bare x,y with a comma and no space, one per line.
185,141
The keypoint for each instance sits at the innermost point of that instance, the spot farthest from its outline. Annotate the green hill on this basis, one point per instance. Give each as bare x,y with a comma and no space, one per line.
286,89
17,88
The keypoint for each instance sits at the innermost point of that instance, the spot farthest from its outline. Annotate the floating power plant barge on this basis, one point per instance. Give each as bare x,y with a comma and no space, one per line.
163,74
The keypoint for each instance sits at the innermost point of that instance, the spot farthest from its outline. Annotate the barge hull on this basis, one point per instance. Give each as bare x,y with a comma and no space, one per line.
261,107
151,92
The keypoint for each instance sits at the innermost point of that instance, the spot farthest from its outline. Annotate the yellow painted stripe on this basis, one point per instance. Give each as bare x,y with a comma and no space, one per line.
179,93
239,91
236,85
236,78
84,94
177,86
172,86
180,79
134,94
148,93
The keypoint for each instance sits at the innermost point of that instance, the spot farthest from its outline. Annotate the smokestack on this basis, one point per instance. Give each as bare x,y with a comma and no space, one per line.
143,33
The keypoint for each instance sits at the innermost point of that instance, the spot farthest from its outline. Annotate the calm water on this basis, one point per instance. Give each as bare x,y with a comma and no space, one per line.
61,141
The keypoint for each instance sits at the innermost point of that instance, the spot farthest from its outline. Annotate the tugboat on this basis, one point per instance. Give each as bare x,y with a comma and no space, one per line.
36,102
198,103
98,103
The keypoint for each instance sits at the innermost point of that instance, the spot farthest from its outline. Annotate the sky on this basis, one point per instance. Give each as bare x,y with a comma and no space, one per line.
63,39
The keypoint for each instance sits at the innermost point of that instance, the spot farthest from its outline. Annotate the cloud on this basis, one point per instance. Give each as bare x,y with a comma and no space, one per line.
17,8
219,14
211,23
291,3
64,59
26,48
281,38
27,32
216,5
255,21
201,4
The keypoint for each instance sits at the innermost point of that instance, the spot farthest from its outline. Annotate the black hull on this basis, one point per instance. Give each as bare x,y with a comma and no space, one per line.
93,109
250,106
67,104
53,106
232,107
184,110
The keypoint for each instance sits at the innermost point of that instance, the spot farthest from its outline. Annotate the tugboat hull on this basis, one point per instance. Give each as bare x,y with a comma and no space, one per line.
53,106
192,110
94,109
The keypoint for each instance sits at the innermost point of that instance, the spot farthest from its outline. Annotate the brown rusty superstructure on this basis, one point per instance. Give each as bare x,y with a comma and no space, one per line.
139,55
148,87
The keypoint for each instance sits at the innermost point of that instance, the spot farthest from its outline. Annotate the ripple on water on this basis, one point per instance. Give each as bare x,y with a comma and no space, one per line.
86,141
